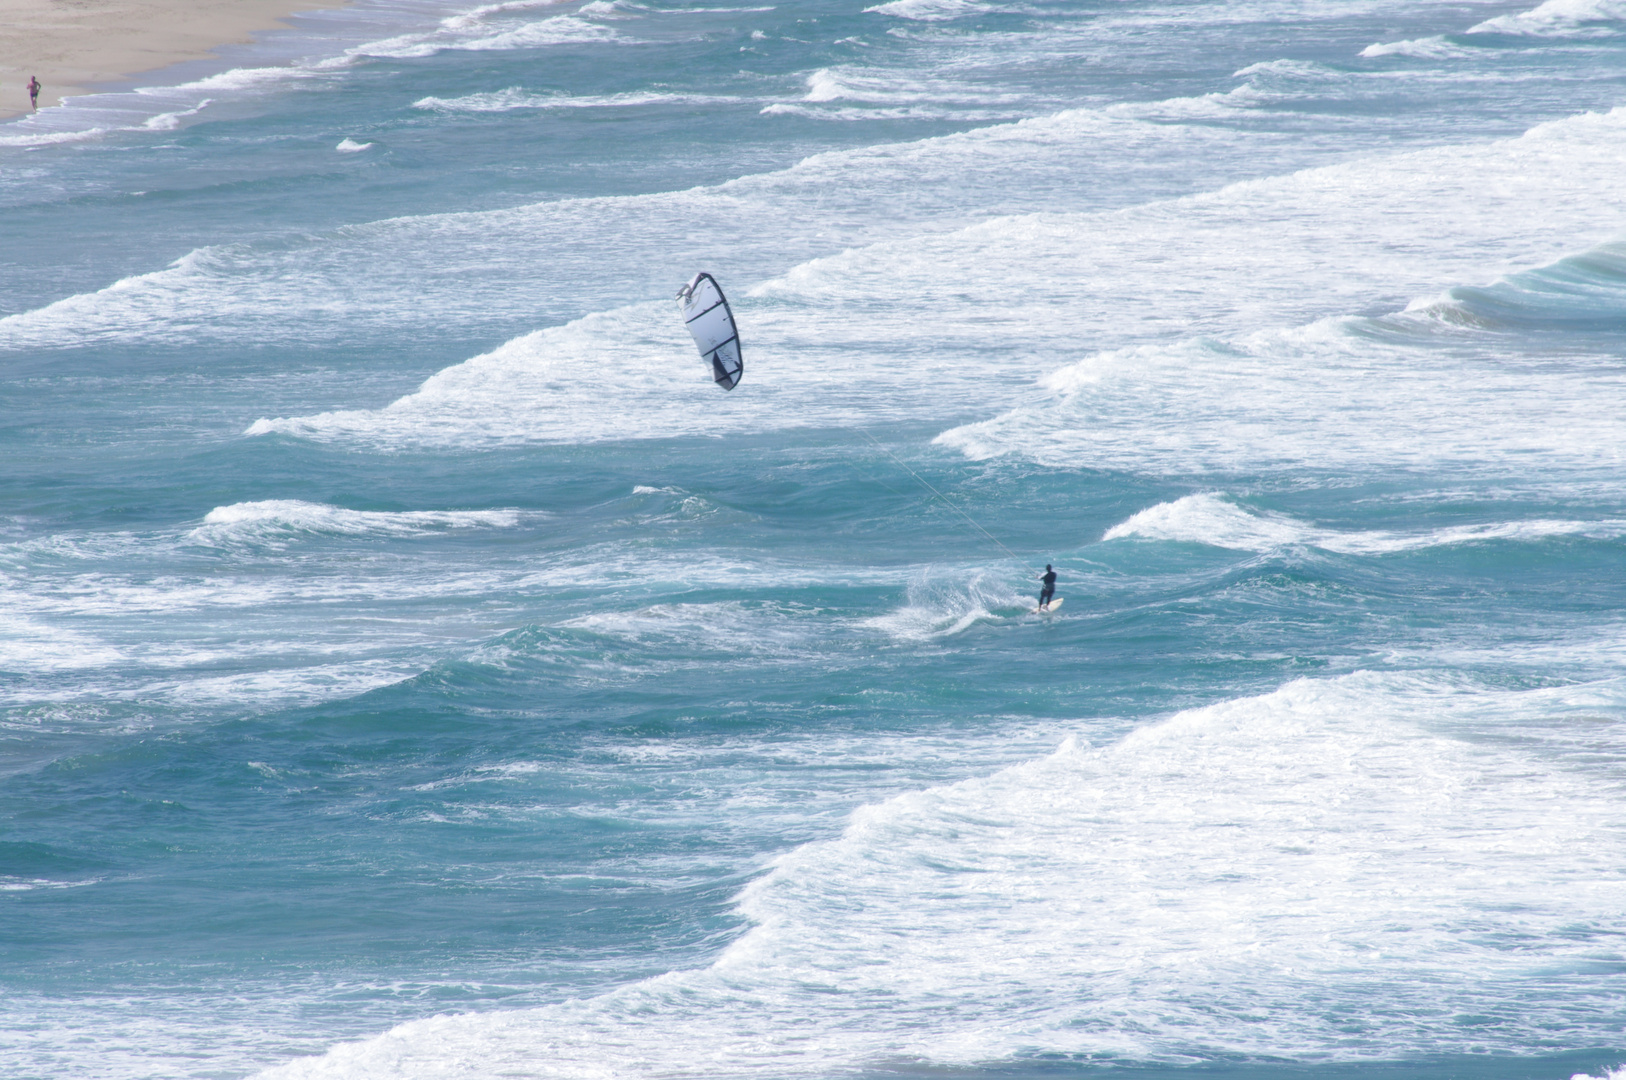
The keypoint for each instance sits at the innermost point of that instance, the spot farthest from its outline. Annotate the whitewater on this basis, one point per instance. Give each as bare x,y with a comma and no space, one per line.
412,665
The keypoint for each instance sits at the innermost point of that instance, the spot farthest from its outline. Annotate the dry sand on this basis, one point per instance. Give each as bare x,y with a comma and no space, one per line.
73,44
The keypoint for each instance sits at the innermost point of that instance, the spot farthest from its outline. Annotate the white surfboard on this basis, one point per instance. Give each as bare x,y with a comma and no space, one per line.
1048,608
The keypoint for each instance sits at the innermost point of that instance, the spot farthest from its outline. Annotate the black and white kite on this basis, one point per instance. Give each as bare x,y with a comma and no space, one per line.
711,322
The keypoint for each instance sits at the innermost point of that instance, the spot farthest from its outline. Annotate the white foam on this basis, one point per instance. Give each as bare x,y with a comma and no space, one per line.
32,643
152,638
1330,392
276,517
351,146
467,34
1214,106
534,388
897,322
548,386
191,615
149,302
282,601
859,113
489,27
320,287
479,16
275,683
515,98
1429,48
87,117
493,101
942,607
870,86
823,85
703,632
172,121
38,139
1560,18
240,79
17,884
1213,520
1177,894
903,321
1298,69
484,774
1326,396
930,10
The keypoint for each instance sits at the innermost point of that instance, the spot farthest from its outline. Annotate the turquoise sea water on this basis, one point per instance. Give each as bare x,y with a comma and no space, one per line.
412,666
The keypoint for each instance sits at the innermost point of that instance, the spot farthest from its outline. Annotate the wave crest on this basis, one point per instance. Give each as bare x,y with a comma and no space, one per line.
1215,521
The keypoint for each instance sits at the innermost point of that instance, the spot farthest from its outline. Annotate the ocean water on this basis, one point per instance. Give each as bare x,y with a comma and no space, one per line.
411,665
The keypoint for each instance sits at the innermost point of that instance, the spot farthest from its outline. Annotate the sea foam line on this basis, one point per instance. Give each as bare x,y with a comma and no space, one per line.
1211,519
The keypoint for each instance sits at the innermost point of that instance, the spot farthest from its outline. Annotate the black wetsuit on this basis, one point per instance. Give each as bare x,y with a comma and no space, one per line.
1049,589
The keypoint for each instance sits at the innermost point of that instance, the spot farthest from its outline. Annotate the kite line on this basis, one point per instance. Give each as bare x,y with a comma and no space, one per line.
710,321
939,494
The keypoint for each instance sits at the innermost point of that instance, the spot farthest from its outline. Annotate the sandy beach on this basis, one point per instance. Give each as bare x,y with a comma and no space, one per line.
72,45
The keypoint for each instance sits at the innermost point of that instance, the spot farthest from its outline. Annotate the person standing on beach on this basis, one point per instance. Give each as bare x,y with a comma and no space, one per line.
34,92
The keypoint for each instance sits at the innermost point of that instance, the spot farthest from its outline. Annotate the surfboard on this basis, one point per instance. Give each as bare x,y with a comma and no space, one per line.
1048,608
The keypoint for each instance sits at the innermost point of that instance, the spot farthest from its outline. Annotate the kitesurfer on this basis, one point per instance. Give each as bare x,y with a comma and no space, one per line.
1049,585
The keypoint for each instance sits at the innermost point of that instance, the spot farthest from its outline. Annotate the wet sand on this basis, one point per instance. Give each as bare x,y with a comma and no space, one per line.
71,45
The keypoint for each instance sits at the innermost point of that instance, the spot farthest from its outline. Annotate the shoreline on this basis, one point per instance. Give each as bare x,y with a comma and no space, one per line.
72,49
